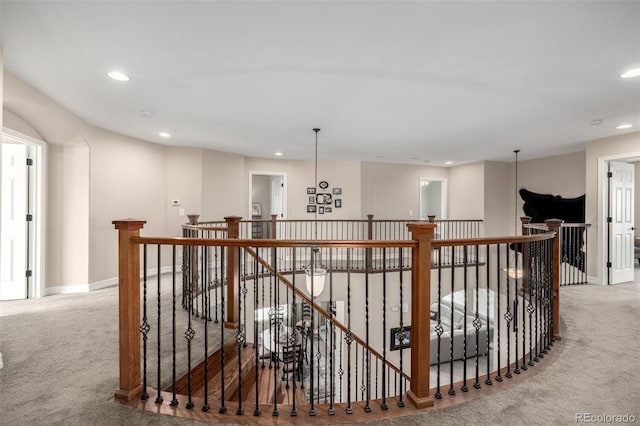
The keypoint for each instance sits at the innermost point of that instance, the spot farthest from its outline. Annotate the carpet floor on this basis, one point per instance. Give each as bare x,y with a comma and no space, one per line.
60,358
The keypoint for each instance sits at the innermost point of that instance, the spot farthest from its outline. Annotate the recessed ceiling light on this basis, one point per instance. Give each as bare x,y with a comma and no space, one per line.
413,158
635,72
448,163
164,134
596,122
146,113
117,75
278,154
624,126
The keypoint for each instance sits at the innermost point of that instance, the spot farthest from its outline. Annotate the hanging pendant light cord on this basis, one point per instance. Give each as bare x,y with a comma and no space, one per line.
315,182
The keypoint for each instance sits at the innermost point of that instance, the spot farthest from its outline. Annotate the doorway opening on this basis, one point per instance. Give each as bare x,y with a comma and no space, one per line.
618,217
267,196
22,215
433,198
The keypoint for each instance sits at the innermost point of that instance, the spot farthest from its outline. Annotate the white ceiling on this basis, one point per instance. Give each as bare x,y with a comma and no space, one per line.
388,81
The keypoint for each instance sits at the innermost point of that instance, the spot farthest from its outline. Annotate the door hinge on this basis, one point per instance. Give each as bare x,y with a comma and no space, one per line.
609,219
609,174
29,161
29,218
609,265
28,273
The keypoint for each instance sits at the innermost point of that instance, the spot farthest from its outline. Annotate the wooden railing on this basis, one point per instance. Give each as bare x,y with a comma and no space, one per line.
254,287
574,243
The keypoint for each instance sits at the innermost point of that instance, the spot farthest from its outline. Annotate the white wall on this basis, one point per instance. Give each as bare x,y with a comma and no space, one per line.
466,191
392,191
637,199
184,183
498,199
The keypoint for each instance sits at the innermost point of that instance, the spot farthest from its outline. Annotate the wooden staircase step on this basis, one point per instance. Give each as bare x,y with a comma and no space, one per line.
231,374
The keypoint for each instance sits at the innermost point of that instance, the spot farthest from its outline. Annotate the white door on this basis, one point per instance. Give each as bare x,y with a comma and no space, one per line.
622,215
14,231
277,196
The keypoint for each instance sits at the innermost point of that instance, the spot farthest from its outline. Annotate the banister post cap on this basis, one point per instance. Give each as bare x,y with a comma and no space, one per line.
525,219
129,223
554,222
421,227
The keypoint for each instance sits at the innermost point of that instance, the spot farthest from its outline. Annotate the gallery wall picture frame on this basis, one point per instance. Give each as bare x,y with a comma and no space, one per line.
324,198
327,209
256,209
311,208
324,184
311,190
338,203
321,210
312,199
400,343
337,191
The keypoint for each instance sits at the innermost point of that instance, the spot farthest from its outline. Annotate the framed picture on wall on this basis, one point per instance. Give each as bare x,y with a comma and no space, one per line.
337,191
327,209
338,203
320,210
311,190
323,198
312,199
400,340
256,209
311,209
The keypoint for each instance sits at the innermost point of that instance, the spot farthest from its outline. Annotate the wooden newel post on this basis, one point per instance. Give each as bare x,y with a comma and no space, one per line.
554,226
418,392
233,254
525,221
129,307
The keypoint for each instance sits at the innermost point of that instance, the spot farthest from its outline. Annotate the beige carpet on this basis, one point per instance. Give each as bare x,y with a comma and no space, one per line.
60,365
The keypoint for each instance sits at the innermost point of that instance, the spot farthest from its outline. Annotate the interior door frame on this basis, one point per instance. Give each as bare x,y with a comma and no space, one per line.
253,173
603,206
37,150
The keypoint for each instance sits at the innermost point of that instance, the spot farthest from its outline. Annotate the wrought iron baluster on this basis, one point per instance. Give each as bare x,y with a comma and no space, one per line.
159,398
367,406
349,337
174,400
205,314
223,407
488,381
384,405
465,263
508,316
524,291
190,332
476,322
256,410
240,331
498,376
144,327
438,328
332,331
453,269
400,402
516,340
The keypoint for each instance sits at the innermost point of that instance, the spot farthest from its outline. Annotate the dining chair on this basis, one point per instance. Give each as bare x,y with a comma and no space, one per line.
291,362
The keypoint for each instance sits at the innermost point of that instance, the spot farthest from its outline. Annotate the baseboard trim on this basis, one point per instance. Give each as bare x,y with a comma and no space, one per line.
98,285
593,280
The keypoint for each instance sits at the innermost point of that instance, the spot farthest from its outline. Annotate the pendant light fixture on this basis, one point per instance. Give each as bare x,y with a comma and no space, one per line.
315,274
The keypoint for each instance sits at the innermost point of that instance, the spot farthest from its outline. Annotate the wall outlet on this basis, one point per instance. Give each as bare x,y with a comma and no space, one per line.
395,308
181,212
405,307
410,213
175,202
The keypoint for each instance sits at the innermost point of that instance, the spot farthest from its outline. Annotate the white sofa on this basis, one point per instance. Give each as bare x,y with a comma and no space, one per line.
457,331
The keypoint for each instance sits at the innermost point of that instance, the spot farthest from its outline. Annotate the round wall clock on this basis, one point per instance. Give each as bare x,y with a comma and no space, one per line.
323,184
